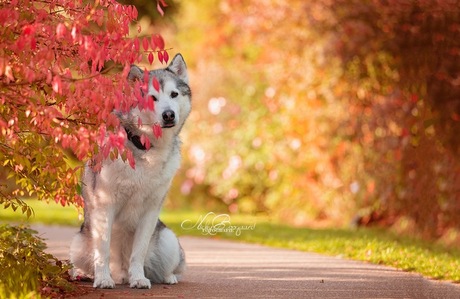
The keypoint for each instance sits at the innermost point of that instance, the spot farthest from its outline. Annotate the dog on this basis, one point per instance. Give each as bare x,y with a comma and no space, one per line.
121,239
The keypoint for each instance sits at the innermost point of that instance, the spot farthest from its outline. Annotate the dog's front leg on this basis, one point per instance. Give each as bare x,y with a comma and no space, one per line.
141,242
101,231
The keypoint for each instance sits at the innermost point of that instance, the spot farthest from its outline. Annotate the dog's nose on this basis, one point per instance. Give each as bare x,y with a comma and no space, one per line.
168,116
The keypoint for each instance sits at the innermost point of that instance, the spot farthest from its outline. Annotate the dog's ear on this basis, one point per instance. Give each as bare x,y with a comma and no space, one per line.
178,67
135,73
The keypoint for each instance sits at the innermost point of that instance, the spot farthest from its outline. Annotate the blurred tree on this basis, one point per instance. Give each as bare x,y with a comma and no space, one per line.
327,109
404,60
273,119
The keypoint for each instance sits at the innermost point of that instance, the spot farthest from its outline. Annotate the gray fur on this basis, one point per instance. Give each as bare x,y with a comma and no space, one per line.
121,239
155,267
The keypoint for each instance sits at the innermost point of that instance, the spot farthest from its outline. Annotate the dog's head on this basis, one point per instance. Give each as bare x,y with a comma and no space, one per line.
169,90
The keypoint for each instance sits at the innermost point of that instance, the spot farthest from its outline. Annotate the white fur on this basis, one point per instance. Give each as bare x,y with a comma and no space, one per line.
164,263
119,239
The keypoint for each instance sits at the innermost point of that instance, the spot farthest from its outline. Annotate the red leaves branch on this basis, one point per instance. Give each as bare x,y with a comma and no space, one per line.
63,69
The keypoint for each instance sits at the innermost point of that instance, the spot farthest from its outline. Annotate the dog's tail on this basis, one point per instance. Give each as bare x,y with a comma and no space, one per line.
165,261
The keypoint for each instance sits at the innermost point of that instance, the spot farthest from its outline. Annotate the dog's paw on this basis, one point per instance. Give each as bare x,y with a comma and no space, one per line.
74,273
171,279
104,283
141,283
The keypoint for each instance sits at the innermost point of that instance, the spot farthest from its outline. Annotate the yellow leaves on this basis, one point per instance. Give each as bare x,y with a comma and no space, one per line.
38,169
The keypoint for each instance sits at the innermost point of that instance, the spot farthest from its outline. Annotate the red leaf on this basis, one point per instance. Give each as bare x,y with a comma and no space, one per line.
130,157
145,44
28,29
134,12
158,42
61,30
57,84
145,85
151,57
160,57
136,44
159,9
33,43
150,104
156,84
75,32
145,141
165,56
161,3
157,131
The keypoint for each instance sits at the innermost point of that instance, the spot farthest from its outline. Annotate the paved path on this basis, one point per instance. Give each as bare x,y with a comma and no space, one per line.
223,269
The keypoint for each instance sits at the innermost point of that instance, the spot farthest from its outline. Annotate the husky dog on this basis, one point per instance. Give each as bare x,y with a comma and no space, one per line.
121,239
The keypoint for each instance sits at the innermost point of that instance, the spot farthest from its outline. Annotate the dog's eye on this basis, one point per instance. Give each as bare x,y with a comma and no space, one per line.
154,98
174,94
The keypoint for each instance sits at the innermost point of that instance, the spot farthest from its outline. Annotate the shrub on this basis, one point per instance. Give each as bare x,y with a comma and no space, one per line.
25,269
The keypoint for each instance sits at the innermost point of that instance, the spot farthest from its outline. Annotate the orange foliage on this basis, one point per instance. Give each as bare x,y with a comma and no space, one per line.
332,108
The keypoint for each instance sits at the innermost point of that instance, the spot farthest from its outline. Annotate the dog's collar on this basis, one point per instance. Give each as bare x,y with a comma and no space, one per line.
136,140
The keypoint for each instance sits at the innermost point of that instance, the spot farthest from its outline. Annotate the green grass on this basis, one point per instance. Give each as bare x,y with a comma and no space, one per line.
371,245
51,213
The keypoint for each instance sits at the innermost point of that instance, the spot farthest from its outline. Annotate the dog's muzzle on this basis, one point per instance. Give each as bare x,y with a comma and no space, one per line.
169,119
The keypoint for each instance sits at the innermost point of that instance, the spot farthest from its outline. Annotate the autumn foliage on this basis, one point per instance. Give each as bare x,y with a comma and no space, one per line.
329,110
63,70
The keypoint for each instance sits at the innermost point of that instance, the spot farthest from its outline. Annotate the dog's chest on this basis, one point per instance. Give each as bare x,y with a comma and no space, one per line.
139,190
146,181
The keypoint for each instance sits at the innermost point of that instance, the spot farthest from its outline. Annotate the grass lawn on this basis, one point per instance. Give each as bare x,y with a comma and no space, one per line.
51,213
371,245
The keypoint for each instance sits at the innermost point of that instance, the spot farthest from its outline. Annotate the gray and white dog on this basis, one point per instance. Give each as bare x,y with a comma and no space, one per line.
121,239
